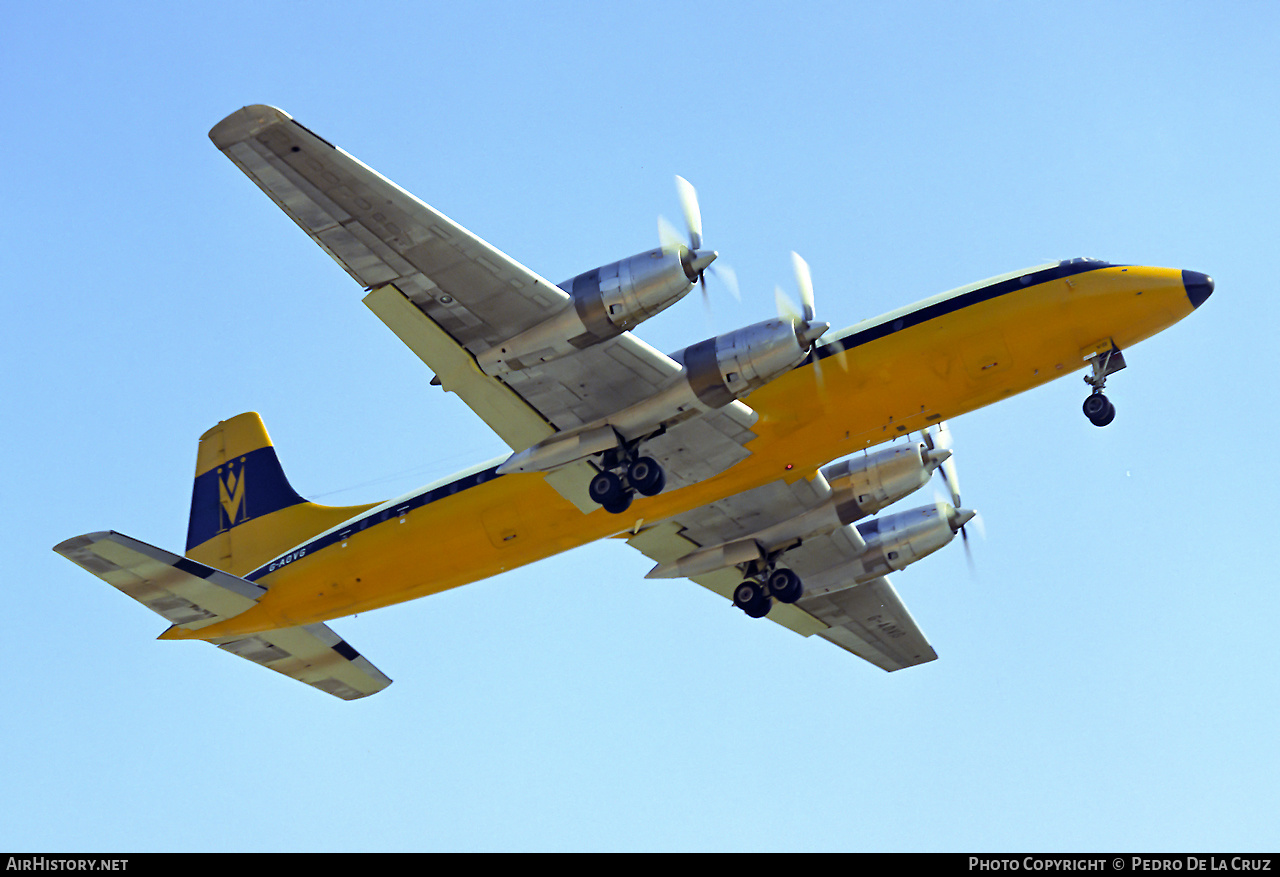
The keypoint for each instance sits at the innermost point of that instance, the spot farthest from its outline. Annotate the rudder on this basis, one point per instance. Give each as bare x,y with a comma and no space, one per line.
244,512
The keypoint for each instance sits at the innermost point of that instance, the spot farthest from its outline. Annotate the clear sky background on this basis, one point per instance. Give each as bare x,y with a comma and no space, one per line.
1106,679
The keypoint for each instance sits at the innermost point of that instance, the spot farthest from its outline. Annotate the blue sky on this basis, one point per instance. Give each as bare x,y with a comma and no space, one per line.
1106,675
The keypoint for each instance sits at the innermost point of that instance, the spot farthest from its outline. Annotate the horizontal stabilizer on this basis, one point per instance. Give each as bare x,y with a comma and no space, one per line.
191,595
313,654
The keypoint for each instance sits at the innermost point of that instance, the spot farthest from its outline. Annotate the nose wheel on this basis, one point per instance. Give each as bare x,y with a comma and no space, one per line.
1097,407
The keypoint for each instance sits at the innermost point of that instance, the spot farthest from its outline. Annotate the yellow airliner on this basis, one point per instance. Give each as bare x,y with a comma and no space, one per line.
744,462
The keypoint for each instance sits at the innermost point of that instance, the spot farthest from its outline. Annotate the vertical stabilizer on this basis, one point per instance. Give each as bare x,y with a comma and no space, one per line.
243,510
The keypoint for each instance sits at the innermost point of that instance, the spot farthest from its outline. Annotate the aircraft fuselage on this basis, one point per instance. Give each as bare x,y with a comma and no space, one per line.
877,381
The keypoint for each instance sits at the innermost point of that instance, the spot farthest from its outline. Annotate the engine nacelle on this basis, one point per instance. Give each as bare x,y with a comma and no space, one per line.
895,541
730,366
603,303
864,485
715,373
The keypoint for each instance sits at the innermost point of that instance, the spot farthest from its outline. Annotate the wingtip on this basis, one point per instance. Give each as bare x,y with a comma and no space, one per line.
69,545
244,123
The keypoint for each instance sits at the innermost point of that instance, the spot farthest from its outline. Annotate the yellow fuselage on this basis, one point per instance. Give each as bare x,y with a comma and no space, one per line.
900,373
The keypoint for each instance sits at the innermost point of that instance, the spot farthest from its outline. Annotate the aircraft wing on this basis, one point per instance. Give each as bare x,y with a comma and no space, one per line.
866,619
191,595
450,295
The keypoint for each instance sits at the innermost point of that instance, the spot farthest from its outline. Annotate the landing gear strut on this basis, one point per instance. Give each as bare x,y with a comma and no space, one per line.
622,476
1097,407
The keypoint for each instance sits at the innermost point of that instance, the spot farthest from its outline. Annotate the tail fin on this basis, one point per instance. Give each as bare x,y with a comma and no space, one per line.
243,510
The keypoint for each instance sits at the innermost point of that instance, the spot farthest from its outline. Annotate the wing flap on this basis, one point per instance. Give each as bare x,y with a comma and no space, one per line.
505,412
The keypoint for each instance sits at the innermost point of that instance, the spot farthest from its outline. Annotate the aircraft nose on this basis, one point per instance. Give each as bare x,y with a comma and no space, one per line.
1199,286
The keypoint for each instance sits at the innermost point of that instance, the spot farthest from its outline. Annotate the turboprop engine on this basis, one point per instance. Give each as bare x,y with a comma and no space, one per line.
607,301
892,543
714,373
895,541
865,485
603,303
730,366
860,486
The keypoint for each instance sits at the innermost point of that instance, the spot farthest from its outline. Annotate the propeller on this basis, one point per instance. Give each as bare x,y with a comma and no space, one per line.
942,441
692,212
689,246
808,330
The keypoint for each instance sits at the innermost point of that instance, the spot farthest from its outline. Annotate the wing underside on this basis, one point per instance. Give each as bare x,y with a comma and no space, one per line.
450,296
867,619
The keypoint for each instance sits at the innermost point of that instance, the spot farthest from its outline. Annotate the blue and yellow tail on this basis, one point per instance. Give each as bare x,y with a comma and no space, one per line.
243,510
243,513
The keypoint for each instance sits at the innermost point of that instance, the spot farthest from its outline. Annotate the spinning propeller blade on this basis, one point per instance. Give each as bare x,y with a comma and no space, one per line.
807,330
942,441
692,213
689,245
804,283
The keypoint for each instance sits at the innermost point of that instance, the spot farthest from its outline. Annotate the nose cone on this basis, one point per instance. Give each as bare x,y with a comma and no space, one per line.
1199,286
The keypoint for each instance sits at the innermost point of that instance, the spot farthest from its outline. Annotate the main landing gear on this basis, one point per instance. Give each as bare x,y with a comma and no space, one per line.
1097,407
623,476
755,596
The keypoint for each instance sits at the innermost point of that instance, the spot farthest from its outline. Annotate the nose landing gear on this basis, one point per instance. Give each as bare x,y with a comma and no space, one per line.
1097,407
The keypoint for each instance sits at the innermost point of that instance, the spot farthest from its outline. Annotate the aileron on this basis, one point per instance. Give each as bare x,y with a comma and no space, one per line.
870,621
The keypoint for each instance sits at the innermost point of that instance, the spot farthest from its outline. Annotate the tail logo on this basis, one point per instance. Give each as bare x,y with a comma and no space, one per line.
221,500
231,495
